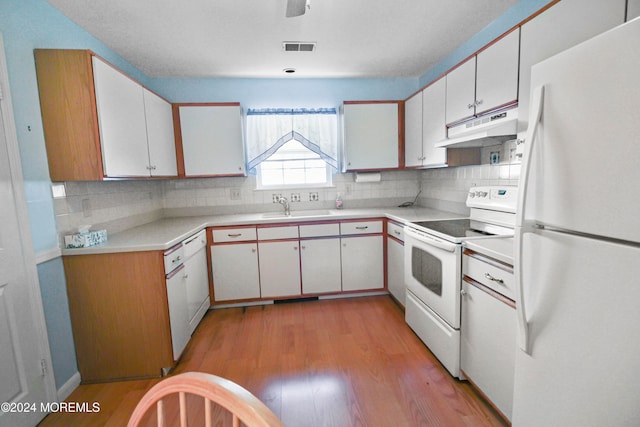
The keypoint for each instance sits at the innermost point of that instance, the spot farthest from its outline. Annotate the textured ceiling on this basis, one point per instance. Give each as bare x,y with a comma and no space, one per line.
243,38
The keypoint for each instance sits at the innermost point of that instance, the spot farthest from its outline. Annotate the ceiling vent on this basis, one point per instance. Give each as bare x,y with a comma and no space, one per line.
299,46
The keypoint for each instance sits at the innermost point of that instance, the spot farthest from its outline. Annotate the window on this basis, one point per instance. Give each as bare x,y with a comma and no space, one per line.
293,165
292,148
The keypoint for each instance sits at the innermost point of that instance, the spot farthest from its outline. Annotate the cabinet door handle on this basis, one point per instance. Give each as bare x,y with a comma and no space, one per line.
295,248
303,247
186,276
463,292
253,250
493,279
479,102
470,106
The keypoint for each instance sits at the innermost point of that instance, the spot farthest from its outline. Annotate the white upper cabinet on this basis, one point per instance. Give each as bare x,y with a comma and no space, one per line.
371,138
486,81
160,135
212,141
123,133
434,129
558,28
424,115
497,73
461,91
413,131
136,126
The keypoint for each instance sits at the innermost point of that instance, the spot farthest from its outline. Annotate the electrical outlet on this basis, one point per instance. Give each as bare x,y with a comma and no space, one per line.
313,196
295,197
275,197
234,194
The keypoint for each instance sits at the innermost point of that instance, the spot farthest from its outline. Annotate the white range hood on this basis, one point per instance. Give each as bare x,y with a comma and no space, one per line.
491,129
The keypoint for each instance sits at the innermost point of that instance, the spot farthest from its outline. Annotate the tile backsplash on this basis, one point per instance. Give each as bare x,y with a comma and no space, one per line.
119,205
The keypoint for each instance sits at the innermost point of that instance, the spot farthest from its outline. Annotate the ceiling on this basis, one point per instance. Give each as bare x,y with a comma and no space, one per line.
243,38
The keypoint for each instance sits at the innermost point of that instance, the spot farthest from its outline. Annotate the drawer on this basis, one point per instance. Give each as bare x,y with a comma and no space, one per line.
396,230
173,258
240,234
320,230
275,233
495,276
360,227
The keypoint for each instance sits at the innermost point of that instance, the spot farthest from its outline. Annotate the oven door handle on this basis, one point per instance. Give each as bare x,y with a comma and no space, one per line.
432,241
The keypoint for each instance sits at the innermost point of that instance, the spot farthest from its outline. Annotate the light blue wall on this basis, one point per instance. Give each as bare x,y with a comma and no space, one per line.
56,314
283,92
511,18
25,25
29,24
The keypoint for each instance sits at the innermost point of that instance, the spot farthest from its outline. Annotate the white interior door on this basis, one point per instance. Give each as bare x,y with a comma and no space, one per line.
25,379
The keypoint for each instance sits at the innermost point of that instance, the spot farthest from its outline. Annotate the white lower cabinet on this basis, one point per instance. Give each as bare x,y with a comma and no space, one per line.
362,263
278,261
279,268
488,345
235,271
320,265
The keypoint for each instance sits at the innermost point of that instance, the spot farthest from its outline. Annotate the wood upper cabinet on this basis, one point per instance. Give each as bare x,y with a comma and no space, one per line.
98,122
69,115
371,135
486,81
425,126
209,139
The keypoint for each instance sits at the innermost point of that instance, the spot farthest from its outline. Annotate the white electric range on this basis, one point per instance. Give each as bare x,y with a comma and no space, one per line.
433,259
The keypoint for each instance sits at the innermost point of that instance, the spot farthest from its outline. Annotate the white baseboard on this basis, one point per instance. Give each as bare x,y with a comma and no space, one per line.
68,387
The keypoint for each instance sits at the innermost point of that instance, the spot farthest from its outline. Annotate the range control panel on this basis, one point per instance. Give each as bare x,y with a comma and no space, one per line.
502,198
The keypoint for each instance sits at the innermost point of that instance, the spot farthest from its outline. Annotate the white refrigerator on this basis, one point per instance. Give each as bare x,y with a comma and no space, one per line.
577,260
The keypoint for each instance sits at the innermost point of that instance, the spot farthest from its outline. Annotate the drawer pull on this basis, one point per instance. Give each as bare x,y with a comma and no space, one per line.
493,279
397,232
362,227
234,235
176,260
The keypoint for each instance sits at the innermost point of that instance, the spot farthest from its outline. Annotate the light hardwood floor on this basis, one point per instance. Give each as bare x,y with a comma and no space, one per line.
344,362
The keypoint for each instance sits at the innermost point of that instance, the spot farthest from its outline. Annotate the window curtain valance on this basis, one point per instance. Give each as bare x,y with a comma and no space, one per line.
270,129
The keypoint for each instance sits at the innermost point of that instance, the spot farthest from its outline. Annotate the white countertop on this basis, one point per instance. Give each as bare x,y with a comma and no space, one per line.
167,232
500,248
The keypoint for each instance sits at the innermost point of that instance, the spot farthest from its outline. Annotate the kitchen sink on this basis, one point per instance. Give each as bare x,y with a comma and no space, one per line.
298,214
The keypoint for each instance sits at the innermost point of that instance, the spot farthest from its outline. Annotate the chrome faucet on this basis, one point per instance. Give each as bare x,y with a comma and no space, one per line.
284,202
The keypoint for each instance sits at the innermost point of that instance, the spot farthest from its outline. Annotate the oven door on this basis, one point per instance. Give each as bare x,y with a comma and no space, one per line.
432,273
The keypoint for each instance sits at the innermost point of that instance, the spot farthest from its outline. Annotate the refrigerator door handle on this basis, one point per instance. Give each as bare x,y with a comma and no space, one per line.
522,226
537,102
